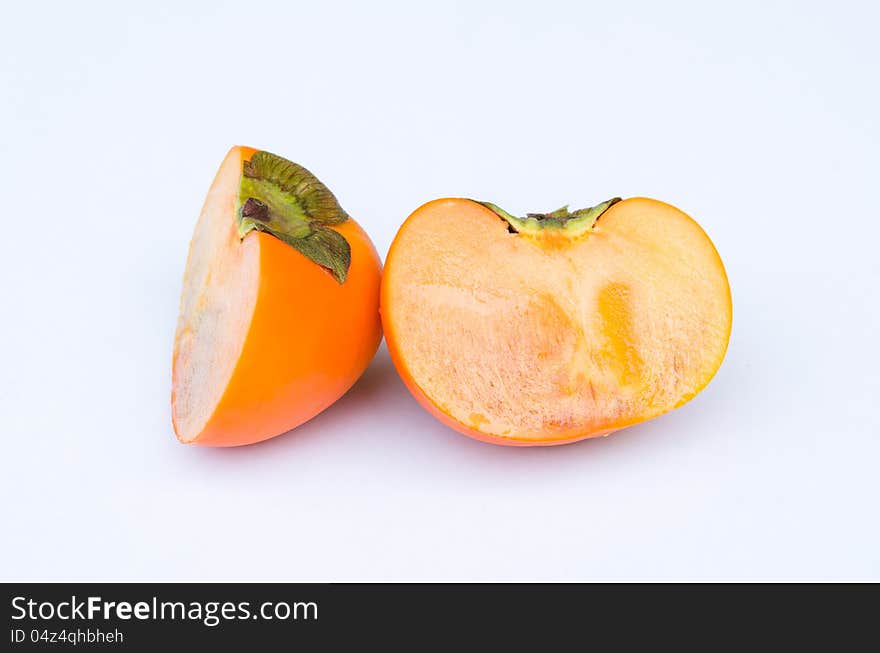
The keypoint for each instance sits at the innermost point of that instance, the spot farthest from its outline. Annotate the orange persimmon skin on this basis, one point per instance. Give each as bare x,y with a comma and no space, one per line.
466,210
293,368
309,339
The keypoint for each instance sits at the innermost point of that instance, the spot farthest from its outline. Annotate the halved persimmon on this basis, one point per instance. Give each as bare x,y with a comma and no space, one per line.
554,327
279,310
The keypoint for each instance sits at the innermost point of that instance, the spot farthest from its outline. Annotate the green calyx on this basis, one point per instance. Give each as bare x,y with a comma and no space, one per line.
285,200
561,221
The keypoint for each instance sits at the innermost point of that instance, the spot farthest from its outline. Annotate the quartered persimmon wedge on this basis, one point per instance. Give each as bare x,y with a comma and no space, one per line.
554,327
279,310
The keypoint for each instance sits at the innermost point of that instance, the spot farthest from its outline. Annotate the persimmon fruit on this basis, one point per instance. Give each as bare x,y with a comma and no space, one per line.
554,327
279,310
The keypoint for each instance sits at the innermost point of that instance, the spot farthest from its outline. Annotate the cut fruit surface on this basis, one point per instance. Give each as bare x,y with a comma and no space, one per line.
273,328
554,327
217,304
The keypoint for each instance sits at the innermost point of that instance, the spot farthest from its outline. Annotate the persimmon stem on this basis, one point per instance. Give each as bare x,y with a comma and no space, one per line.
283,199
255,209
561,221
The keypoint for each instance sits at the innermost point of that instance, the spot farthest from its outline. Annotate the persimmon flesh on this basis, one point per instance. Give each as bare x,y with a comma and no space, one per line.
279,309
554,327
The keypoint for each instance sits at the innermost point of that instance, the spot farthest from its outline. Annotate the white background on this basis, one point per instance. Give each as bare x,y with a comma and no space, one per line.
759,119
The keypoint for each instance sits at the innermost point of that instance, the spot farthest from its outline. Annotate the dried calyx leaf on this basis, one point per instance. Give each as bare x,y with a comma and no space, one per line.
284,199
563,221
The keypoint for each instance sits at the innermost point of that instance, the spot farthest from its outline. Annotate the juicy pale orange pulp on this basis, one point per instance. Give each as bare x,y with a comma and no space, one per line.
266,338
535,339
